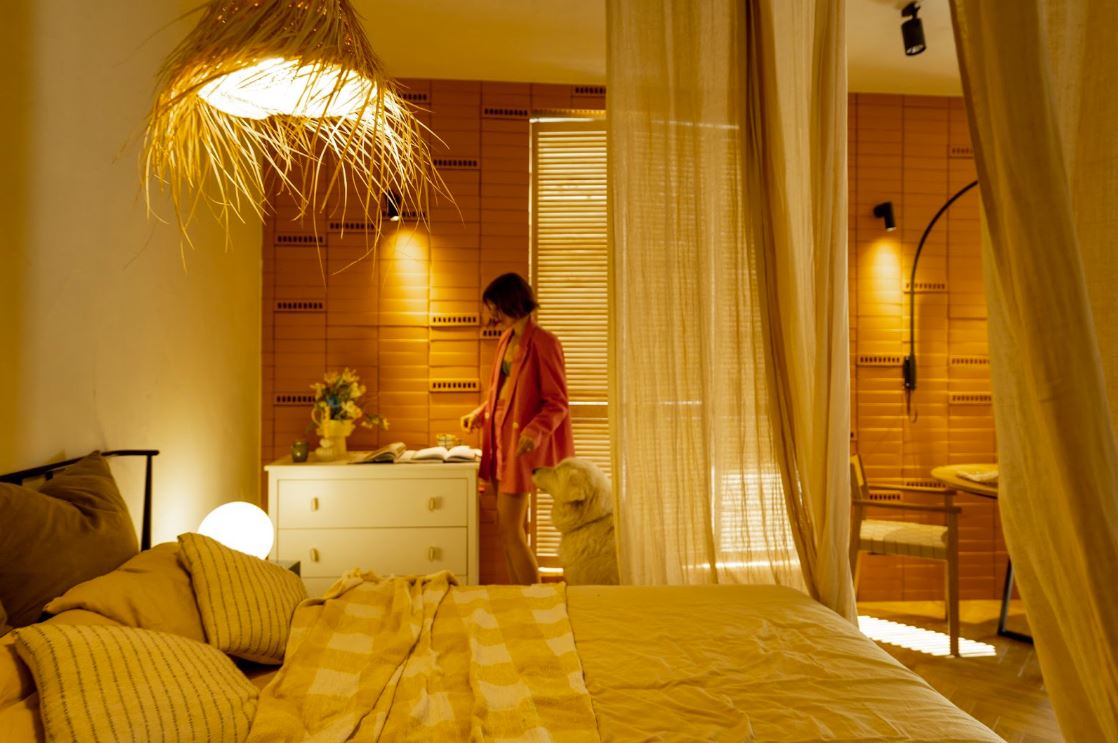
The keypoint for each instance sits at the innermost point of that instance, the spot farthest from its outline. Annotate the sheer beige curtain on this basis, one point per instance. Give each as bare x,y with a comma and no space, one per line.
728,277
1041,80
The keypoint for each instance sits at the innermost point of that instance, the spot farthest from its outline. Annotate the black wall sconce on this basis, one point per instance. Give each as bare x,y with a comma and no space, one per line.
884,210
912,30
392,206
908,368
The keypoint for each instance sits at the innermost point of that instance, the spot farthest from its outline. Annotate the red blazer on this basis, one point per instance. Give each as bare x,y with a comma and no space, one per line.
536,407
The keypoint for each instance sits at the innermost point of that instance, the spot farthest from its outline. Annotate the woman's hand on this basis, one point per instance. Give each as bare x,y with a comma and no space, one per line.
471,420
526,445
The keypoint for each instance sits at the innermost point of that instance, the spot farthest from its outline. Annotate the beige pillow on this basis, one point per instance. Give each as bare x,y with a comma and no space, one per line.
15,680
246,603
121,683
74,528
150,591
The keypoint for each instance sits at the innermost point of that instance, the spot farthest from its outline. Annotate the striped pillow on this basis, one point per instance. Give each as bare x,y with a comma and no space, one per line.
246,603
120,683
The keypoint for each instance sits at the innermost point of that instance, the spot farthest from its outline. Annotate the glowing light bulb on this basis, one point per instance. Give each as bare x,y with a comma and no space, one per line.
241,526
279,86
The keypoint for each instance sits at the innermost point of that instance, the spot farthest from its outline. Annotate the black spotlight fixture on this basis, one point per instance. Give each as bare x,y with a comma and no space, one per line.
392,206
884,210
912,30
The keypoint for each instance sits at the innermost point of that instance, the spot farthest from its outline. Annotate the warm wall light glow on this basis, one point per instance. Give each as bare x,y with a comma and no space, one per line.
408,244
919,639
880,269
241,526
285,87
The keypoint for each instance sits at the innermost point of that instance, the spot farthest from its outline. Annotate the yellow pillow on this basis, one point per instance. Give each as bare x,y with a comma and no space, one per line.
121,683
150,591
15,681
246,603
4,627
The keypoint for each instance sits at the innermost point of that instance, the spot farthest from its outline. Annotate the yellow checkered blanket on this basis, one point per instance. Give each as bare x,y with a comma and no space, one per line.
422,659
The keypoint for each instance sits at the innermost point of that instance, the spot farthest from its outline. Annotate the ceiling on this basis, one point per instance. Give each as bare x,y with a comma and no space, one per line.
563,41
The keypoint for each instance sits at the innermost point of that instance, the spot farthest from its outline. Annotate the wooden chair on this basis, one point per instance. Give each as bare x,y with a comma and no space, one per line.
907,538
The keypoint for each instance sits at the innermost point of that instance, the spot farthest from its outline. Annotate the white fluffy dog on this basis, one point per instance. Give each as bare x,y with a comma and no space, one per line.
582,512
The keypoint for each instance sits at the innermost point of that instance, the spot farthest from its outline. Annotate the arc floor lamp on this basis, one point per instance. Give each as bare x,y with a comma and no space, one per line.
908,367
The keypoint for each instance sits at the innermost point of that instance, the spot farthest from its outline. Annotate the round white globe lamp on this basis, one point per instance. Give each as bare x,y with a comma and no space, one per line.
241,526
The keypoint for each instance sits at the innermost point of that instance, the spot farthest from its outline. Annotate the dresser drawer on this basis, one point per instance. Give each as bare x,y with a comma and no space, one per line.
340,503
327,553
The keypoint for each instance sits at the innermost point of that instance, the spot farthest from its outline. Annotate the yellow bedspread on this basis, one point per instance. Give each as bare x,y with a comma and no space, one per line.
431,661
419,659
747,663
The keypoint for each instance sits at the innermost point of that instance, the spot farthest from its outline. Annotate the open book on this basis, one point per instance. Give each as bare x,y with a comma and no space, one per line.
461,453
384,455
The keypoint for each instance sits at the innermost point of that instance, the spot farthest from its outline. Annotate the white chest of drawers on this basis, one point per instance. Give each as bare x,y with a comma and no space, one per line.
392,519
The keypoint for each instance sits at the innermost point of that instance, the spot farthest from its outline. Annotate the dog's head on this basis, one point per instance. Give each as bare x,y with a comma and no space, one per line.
580,491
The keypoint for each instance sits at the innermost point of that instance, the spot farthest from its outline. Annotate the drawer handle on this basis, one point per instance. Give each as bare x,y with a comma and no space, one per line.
314,503
314,554
433,553
432,504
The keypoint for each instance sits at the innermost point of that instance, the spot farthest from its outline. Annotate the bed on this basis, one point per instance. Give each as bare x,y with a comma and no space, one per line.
420,658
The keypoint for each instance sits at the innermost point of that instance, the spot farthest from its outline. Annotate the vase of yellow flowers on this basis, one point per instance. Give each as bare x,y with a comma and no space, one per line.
339,406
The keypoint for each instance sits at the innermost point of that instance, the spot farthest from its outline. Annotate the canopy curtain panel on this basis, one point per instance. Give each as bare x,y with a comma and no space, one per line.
729,367
1039,79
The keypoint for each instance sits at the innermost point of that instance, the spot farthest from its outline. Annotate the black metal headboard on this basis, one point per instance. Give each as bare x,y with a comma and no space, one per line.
47,471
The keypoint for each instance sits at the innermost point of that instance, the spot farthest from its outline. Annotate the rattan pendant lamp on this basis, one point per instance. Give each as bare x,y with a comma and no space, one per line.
289,87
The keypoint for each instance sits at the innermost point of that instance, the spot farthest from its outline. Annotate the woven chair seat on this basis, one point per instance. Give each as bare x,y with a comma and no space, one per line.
904,538
907,538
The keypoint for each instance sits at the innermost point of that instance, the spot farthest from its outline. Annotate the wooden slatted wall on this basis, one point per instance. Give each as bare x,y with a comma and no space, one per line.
403,319
915,151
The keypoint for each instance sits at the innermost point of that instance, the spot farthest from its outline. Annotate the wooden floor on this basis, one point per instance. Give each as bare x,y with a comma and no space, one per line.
1004,691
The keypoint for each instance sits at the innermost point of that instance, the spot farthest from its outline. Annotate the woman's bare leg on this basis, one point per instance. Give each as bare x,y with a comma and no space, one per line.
512,512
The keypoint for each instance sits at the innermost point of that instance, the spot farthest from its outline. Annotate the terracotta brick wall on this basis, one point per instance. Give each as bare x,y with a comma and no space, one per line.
396,319
916,152
384,317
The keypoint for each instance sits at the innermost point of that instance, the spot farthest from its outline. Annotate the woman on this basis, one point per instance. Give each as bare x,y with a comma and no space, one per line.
524,421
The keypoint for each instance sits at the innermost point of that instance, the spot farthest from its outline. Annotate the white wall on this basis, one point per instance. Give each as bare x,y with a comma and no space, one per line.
106,340
530,41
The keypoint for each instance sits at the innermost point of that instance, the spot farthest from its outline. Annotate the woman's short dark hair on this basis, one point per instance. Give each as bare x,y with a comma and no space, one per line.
510,294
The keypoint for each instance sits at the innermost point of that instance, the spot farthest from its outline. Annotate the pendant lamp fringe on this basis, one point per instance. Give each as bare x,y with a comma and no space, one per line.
352,140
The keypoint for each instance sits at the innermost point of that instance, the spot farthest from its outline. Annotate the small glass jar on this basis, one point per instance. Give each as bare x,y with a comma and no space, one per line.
299,451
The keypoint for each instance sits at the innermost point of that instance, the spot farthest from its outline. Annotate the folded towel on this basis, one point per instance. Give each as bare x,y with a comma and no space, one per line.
987,477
